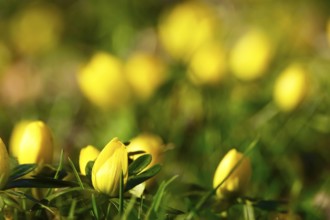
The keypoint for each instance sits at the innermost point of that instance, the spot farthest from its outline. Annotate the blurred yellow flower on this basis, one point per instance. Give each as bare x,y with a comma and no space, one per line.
150,144
185,28
237,182
251,55
328,31
36,29
291,87
16,137
207,65
111,163
36,145
88,153
102,81
4,165
145,74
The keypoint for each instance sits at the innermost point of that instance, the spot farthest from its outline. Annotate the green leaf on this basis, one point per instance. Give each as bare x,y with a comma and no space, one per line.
88,168
268,205
156,202
21,170
39,183
139,164
136,180
133,153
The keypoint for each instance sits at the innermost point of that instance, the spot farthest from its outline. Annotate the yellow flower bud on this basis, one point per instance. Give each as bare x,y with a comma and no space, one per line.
111,163
102,81
36,145
145,73
250,56
207,65
150,144
4,165
290,88
16,137
24,25
88,153
185,28
238,180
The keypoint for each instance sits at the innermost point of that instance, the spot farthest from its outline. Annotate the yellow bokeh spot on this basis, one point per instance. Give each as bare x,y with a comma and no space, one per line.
250,56
185,28
36,29
290,87
145,74
102,81
207,65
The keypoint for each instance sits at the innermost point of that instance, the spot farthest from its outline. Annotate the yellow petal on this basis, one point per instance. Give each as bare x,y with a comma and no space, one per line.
88,153
36,145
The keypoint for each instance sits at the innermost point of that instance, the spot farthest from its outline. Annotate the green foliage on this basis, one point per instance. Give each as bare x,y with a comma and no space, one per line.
45,46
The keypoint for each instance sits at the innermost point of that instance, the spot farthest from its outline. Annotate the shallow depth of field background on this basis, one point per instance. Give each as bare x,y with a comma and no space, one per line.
44,47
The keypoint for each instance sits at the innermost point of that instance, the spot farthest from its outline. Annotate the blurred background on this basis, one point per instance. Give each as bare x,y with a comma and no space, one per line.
204,76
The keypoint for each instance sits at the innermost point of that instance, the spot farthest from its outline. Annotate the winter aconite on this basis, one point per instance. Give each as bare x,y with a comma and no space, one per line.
109,167
36,145
291,87
238,180
88,153
102,81
250,57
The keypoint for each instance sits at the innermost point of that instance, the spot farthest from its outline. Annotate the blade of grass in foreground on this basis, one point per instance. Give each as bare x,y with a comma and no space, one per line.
201,202
158,197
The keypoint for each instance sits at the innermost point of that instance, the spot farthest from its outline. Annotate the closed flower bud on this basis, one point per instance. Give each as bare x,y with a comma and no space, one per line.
238,180
145,74
250,56
36,145
4,165
47,20
108,168
150,144
16,137
102,81
207,65
87,154
185,28
291,88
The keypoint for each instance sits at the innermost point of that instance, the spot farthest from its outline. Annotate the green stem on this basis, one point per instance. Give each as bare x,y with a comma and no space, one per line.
202,201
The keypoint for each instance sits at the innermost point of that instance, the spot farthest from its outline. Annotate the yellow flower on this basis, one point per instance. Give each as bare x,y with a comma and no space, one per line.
4,165
36,145
238,180
102,81
111,163
185,28
16,137
150,144
290,88
88,153
145,74
250,56
207,65
24,25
